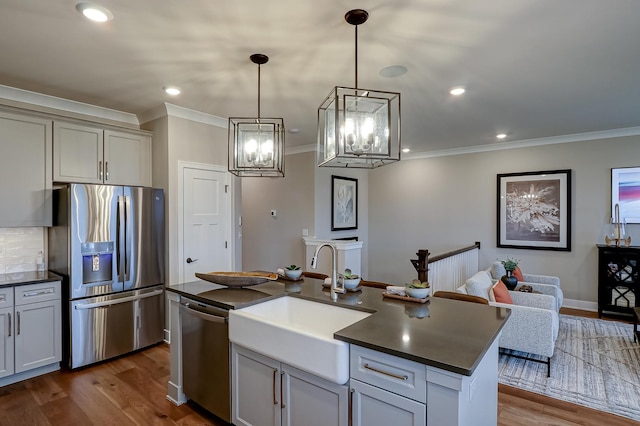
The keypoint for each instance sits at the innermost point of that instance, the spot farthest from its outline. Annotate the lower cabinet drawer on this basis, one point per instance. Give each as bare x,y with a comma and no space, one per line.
6,297
397,375
41,292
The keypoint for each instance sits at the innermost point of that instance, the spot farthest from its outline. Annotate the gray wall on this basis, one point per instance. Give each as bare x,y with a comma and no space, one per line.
274,242
449,202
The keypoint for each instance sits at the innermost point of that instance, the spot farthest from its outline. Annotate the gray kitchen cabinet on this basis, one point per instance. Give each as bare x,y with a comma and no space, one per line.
25,170
91,154
6,331
373,406
267,392
31,332
386,390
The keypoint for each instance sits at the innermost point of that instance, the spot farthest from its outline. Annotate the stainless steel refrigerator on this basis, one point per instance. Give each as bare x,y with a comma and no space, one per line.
107,243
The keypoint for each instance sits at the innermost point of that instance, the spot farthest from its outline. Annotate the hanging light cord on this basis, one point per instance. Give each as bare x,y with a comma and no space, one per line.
356,56
258,91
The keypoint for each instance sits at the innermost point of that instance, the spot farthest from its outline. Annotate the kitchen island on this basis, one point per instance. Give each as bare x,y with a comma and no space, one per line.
455,343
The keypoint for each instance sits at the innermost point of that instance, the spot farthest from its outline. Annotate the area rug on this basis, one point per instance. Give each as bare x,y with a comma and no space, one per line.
595,364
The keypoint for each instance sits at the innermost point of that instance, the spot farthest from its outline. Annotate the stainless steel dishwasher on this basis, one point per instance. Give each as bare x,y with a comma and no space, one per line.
205,356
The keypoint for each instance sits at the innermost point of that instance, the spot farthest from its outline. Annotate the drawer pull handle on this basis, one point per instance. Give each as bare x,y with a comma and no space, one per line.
395,376
9,325
275,400
38,293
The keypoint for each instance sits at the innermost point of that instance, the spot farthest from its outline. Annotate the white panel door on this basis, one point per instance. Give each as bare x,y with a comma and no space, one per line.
206,222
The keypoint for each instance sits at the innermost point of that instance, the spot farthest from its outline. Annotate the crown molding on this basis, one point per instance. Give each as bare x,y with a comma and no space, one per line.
61,105
300,149
524,143
171,110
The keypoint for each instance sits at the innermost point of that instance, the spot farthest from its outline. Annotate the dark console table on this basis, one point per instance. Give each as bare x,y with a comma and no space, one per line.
618,279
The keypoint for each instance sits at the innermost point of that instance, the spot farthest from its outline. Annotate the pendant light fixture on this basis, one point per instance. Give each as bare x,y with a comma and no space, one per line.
256,145
358,127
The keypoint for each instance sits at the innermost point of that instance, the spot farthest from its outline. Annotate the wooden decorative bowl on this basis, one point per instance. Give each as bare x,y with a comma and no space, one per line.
237,279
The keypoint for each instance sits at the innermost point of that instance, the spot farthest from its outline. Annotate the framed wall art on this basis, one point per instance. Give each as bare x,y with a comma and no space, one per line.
534,210
344,203
625,191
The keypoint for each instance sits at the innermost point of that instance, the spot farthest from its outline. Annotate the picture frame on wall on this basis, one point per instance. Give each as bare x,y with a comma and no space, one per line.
344,203
534,210
625,191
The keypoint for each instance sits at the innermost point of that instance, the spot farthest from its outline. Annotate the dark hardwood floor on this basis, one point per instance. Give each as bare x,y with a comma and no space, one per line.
132,391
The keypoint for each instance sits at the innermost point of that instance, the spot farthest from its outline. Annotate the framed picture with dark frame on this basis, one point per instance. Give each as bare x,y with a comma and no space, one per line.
625,191
344,203
534,210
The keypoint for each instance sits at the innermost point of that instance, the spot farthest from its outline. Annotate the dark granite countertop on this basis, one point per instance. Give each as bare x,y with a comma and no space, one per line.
29,277
442,333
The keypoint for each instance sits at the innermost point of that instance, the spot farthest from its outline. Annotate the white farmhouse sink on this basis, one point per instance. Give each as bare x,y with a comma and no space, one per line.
297,332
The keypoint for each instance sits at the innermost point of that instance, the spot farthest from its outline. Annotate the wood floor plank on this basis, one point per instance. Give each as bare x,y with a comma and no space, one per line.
19,408
44,389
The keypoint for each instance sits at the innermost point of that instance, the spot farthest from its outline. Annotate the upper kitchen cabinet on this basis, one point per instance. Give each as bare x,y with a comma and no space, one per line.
90,154
25,170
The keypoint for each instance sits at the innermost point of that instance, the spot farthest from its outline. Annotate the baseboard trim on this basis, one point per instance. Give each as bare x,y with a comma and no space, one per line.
29,374
580,304
175,394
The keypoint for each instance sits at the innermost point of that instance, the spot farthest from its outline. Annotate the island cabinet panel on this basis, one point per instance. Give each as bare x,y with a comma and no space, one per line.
91,154
386,389
267,392
311,401
25,170
372,406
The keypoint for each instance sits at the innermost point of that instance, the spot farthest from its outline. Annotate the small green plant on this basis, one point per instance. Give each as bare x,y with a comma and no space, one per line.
292,268
510,264
348,275
415,283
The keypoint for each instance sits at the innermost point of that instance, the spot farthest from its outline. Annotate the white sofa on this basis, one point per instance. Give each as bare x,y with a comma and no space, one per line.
545,284
533,325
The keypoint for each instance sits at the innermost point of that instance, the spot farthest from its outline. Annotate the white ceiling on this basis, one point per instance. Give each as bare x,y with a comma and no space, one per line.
532,68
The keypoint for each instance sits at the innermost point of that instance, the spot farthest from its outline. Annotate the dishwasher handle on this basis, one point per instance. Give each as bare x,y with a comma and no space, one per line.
205,313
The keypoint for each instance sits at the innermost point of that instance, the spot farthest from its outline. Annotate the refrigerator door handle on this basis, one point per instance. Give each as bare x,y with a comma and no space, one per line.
120,237
117,301
128,237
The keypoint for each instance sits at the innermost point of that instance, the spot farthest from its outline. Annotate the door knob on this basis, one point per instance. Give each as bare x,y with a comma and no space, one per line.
190,260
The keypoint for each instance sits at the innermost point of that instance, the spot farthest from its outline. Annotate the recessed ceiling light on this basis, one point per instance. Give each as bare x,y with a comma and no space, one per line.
94,12
457,91
393,71
172,90
501,135
405,150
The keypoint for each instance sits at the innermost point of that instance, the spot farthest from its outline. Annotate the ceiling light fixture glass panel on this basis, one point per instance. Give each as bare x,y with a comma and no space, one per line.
358,127
256,144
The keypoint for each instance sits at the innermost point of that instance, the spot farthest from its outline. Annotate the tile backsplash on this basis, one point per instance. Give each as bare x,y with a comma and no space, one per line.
19,248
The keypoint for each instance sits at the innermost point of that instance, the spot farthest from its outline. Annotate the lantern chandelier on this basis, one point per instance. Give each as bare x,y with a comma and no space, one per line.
357,127
256,145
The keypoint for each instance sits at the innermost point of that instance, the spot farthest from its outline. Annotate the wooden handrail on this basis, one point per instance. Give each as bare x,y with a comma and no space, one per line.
420,264
454,252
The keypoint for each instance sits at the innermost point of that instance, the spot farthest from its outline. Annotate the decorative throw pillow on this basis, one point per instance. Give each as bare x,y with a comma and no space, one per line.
497,270
479,284
518,274
500,294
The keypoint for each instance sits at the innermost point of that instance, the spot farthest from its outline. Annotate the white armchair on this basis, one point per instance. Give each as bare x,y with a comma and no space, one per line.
545,284
532,327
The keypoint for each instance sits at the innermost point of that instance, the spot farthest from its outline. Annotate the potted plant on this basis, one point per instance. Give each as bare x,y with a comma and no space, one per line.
509,279
293,272
417,289
349,280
